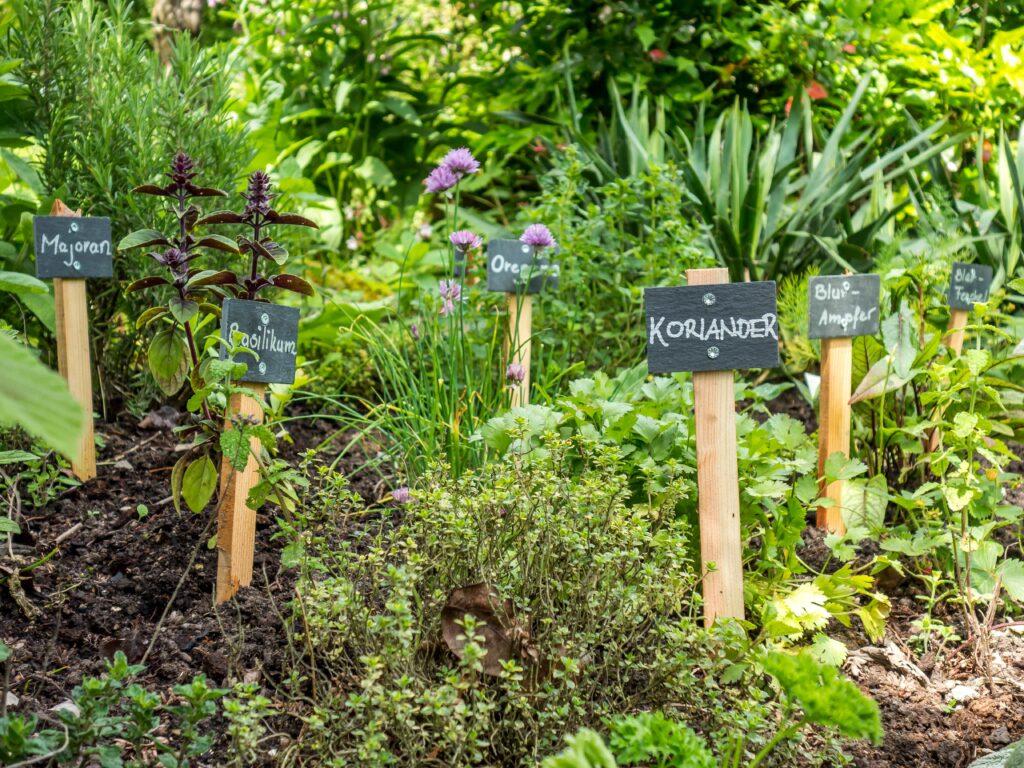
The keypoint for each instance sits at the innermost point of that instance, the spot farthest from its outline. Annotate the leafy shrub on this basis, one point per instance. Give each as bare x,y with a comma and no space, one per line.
113,721
592,593
99,135
812,694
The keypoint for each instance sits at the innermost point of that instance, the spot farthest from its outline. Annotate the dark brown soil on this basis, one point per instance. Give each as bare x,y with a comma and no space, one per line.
109,581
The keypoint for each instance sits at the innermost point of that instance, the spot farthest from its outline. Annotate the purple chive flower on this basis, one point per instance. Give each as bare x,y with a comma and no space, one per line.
401,495
440,179
464,240
461,162
538,236
414,331
451,292
515,373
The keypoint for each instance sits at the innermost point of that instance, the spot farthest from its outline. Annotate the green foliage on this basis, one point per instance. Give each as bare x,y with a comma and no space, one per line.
598,590
652,739
586,749
46,409
777,204
97,135
825,697
116,722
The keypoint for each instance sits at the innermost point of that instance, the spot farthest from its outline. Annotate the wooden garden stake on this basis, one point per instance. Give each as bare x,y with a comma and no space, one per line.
969,284
70,248
712,327
839,307
236,521
271,332
834,423
519,271
718,493
520,331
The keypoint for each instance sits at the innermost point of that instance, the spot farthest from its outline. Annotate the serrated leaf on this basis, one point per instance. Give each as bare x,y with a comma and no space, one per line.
235,446
1012,572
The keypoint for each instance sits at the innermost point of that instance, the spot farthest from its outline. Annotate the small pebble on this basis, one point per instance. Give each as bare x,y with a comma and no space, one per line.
961,694
11,700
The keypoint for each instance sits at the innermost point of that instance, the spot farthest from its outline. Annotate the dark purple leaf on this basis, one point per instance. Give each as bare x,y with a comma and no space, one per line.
292,283
153,189
146,282
290,218
221,217
195,191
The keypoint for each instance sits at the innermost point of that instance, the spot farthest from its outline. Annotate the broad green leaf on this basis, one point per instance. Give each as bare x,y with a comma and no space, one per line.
9,526
899,332
1012,572
183,310
19,282
168,359
879,379
198,483
140,238
826,650
37,399
864,503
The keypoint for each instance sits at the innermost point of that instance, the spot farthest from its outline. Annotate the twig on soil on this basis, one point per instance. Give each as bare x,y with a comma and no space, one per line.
184,575
67,534
131,450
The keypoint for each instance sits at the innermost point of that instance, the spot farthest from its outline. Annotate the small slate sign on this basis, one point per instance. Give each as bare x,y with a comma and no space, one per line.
269,330
73,246
969,285
841,306
712,327
511,263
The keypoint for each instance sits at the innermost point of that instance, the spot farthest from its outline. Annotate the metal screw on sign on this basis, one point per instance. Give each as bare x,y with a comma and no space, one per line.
713,352
709,299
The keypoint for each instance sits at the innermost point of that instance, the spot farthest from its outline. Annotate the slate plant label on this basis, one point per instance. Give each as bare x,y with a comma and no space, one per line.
73,246
712,327
510,264
841,306
271,331
969,285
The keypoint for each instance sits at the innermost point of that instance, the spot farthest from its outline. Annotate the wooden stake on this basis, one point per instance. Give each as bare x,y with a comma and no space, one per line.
520,333
954,341
236,522
718,494
834,423
71,308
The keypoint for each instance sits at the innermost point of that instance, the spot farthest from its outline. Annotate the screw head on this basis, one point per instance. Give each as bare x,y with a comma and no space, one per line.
74,226
713,352
263,367
526,249
265,318
709,299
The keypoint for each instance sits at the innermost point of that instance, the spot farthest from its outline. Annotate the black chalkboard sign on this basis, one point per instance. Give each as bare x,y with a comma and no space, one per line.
269,330
73,246
841,306
968,285
510,264
712,327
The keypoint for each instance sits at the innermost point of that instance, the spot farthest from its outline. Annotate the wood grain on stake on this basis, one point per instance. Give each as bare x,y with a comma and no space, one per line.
70,303
236,522
520,331
718,480
834,430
